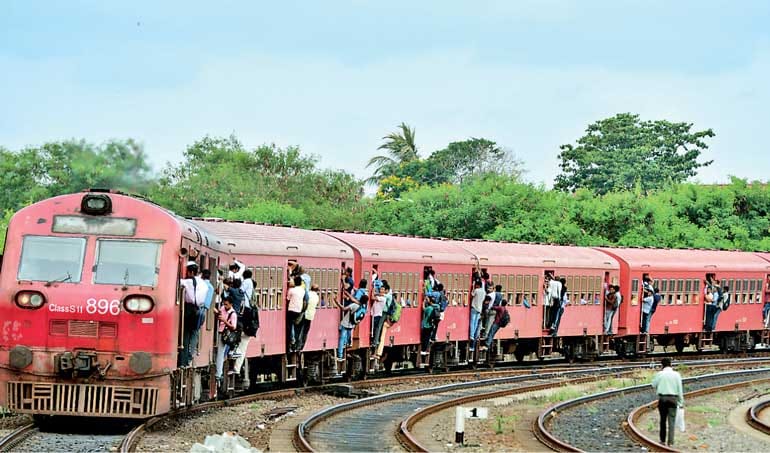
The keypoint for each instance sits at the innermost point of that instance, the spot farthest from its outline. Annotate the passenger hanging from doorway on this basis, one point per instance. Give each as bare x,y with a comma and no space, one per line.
563,302
477,304
487,314
429,312
710,299
357,297
348,323
234,293
306,318
552,301
766,306
719,303
378,309
648,299
236,270
647,317
206,276
294,307
441,303
194,294
502,318
385,298
391,315
347,285
612,301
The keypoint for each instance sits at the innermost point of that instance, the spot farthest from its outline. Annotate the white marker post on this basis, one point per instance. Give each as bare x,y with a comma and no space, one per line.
461,414
459,424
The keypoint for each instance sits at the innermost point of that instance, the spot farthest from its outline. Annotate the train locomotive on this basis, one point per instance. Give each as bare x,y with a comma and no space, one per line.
92,311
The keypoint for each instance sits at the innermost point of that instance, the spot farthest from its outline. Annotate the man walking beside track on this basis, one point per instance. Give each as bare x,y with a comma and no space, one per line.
668,385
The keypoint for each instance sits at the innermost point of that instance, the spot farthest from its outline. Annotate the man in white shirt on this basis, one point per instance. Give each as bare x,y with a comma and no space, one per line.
247,286
236,270
477,304
553,302
194,295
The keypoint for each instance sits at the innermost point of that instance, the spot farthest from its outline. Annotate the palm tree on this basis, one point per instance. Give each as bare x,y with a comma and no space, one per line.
401,148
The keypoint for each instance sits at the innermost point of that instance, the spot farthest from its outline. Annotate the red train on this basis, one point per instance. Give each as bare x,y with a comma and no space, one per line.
91,306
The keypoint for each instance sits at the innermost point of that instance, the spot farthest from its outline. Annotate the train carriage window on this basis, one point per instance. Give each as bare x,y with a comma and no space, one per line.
758,294
266,289
664,286
534,295
271,304
496,280
635,291
416,288
752,289
119,261
584,290
598,290
508,290
520,285
745,291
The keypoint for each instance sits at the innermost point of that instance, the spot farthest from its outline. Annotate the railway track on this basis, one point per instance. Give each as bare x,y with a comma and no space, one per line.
563,427
754,419
365,425
30,438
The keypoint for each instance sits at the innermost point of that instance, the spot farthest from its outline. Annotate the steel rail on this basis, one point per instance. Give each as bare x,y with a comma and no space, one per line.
16,436
753,416
550,440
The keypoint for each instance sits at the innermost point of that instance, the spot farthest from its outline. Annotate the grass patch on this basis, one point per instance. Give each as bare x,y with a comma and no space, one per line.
703,409
714,421
501,422
563,394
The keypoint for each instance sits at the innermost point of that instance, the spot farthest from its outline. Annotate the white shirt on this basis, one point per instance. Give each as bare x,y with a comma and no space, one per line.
478,299
238,274
312,303
378,305
554,290
248,289
194,293
296,297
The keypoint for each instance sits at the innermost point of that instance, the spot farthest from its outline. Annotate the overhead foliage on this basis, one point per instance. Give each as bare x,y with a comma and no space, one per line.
624,153
56,168
219,175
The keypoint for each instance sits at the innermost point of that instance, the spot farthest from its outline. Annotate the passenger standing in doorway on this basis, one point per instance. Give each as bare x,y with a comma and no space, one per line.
347,284
427,325
308,315
553,301
228,320
562,305
347,324
611,304
387,318
668,386
648,299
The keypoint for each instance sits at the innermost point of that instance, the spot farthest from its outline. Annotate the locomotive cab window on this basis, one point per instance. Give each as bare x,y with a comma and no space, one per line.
52,259
120,262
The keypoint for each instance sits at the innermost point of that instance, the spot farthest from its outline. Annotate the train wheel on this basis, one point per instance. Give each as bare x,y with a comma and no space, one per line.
679,345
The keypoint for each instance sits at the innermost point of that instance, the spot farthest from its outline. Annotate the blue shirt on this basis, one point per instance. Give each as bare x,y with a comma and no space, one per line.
209,295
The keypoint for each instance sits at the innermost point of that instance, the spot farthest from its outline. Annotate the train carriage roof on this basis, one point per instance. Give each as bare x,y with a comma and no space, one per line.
689,260
405,249
538,255
258,239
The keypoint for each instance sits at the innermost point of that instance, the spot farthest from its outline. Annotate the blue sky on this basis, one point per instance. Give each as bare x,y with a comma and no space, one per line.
334,77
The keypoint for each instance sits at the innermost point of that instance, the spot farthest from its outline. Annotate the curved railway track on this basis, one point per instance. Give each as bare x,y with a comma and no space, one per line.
754,419
637,433
562,428
363,425
30,438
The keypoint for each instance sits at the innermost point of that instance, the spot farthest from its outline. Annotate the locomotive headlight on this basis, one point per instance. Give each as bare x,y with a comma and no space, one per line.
96,204
138,304
29,299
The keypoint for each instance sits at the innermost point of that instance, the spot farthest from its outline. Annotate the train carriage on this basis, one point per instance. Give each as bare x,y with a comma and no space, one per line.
680,276
266,250
402,261
521,268
89,301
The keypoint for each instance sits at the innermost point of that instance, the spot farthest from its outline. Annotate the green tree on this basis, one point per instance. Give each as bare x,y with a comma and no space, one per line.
56,168
6,217
473,157
219,175
624,152
401,148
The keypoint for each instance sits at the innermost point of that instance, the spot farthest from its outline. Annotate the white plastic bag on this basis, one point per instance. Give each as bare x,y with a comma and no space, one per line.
679,419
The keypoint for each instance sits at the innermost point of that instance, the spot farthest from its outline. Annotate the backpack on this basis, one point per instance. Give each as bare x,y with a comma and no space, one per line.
435,316
442,301
358,315
655,301
250,320
395,312
725,298
505,319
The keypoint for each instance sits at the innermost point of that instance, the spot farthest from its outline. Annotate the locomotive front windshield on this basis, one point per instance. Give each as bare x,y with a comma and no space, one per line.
52,259
127,262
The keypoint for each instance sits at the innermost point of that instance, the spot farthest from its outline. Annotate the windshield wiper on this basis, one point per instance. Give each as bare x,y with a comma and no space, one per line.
125,280
60,280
